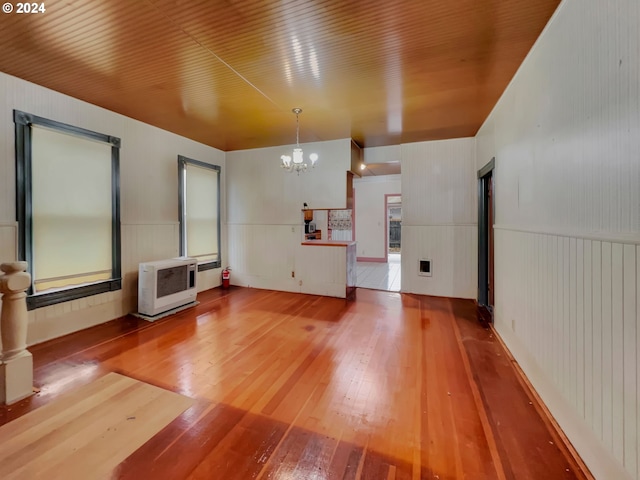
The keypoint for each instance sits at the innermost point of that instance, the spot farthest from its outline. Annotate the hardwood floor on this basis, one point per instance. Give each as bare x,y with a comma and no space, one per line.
87,432
290,386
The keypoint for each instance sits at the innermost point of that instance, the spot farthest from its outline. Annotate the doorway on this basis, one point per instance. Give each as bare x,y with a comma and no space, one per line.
393,240
393,230
385,273
486,209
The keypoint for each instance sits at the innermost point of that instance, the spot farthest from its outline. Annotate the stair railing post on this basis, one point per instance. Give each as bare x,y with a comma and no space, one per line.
16,362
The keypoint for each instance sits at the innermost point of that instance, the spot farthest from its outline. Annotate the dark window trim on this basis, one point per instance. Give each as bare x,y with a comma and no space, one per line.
24,209
182,166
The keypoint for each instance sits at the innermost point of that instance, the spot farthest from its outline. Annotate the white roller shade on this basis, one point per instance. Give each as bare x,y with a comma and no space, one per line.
71,208
201,208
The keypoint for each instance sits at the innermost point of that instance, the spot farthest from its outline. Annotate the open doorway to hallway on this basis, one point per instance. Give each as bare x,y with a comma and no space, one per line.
385,273
394,224
486,209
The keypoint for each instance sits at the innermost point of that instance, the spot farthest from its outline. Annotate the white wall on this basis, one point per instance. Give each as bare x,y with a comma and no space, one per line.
439,217
149,199
566,138
384,154
265,218
370,215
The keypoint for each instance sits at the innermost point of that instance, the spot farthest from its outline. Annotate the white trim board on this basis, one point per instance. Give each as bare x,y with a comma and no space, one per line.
626,238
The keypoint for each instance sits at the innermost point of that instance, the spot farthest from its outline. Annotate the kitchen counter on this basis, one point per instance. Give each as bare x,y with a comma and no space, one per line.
334,268
329,243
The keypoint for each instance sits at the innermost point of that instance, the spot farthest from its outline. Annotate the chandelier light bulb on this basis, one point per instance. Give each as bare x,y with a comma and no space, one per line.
296,162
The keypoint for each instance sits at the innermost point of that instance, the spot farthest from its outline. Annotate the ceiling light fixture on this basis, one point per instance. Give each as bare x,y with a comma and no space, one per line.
297,164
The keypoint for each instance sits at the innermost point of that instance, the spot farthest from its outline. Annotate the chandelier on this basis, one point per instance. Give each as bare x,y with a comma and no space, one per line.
297,164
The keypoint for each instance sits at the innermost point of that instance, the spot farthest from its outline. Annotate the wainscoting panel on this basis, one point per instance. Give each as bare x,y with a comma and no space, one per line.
572,303
271,257
146,243
149,198
140,243
322,270
262,251
452,250
439,217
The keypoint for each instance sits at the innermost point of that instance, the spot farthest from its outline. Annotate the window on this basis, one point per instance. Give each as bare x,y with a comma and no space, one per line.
199,198
68,209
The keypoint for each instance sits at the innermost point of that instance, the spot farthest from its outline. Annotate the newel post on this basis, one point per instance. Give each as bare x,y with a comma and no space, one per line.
16,362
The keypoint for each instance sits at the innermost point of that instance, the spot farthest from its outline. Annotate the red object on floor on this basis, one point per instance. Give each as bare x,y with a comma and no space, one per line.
226,277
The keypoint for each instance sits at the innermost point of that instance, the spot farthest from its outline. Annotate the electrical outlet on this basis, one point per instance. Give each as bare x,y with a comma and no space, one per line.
300,283
293,229
293,274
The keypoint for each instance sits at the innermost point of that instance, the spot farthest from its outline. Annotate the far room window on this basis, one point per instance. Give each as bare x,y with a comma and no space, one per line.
68,209
199,192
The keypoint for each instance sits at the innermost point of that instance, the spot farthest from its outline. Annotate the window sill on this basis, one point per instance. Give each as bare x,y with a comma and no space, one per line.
75,293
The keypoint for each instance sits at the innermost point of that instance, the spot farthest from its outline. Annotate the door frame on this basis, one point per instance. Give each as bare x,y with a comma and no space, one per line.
485,178
386,222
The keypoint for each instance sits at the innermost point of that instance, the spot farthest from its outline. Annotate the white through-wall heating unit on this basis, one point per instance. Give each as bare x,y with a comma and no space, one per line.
166,284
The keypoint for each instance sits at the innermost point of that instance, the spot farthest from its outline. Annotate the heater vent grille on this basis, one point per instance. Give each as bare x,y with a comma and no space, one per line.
424,267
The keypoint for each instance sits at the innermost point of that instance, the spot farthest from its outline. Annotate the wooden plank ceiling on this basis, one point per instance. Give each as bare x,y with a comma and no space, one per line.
228,72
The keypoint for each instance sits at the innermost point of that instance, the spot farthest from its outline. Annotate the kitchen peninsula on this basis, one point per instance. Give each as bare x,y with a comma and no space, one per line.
334,251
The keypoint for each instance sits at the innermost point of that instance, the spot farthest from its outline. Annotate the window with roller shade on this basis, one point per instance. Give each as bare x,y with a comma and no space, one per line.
68,209
199,197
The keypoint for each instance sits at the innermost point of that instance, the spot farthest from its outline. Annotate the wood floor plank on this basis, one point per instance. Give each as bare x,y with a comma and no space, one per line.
87,432
388,386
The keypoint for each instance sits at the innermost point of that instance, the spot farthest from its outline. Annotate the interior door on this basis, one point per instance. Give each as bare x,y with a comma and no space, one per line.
486,206
490,235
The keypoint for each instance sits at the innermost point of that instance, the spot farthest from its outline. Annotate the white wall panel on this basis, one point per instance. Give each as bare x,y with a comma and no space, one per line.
149,197
596,291
262,193
145,243
384,154
439,182
439,217
566,140
8,242
265,219
629,411
262,251
271,257
603,346
322,270
630,429
370,215
451,250
565,134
